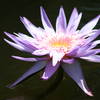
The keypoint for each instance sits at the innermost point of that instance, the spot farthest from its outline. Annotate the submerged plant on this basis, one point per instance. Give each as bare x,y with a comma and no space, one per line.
58,48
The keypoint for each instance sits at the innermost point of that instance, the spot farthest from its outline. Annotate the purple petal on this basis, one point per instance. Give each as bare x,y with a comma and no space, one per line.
92,58
45,21
15,45
85,51
74,15
11,36
49,70
89,26
92,37
96,51
76,23
73,52
68,61
94,44
37,67
40,52
30,59
61,21
20,44
75,72
27,45
34,31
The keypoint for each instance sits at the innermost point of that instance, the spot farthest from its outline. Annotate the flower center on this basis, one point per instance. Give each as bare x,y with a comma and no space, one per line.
59,43
62,43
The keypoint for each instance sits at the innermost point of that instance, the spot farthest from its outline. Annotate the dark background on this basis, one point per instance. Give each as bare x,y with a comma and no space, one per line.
11,69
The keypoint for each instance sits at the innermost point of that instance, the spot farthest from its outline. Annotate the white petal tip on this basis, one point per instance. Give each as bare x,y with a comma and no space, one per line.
44,77
90,93
5,32
41,9
75,9
16,57
86,90
61,8
21,18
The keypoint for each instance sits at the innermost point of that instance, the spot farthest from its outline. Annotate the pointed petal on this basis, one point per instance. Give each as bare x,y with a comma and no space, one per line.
94,44
37,67
23,40
40,52
30,59
45,21
11,36
74,15
49,70
92,58
76,23
15,45
74,71
89,26
24,37
85,49
33,30
56,58
92,37
96,51
61,21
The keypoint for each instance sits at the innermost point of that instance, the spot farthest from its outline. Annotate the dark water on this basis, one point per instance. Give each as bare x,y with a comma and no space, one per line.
10,69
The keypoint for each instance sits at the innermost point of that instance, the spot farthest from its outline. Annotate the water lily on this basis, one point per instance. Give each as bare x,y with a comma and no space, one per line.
58,48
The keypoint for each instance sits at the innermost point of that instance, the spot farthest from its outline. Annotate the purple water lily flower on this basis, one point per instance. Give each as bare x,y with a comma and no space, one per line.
58,48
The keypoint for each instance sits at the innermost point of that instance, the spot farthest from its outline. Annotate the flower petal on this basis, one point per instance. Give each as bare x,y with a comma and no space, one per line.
49,70
74,15
73,52
11,36
74,71
56,57
94,44
21,42
89,26
76,23
61,21
92,37
30,59
15,45
40,52
92,58
33,30
86,53
68,61
96,51
37,67
45,21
